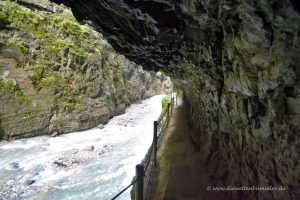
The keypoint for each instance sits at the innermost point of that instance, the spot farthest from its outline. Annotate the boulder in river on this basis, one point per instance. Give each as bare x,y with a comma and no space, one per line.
101,126
54,134
60,163
30,182
15,165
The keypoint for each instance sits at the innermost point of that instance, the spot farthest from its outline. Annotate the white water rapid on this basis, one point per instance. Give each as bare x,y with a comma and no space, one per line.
100,162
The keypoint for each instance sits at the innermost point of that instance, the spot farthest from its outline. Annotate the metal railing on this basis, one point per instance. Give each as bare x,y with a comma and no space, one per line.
143,179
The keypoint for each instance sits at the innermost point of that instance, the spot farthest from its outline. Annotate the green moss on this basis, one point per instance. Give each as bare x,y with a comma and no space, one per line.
119,76
27,115
68,26
3,19
10,87
23,97
7,86
69,105
56,47
56,36
51,81
37,75
18,43
192,4
126,100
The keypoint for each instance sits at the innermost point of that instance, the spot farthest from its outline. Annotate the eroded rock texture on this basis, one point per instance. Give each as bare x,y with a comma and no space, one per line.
238,63
57,76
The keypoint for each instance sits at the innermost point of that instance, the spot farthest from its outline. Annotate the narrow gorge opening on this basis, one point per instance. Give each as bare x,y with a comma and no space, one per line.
75,115
237,63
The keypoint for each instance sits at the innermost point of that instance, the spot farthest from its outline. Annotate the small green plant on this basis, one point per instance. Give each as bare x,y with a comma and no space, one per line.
27,115
192,4
165,101
3,18
69,105
10,87
50,81
7,86
18,43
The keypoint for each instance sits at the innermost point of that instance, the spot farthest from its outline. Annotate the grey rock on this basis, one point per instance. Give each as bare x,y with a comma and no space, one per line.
60,164
91,148
60,92
30,182
101,126
54,134
238,65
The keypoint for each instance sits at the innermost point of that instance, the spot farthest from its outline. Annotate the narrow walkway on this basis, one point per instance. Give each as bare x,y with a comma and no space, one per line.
177,156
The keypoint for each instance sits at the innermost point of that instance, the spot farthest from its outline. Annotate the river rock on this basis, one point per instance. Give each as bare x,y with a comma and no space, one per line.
15,165
30,182
54,134
18,188
79,156
60,163
101,126
91,148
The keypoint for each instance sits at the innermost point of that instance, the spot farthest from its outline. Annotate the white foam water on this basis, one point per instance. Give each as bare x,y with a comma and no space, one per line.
124,142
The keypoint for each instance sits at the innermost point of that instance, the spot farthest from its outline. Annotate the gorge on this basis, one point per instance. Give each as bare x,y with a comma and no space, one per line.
237,62
58,76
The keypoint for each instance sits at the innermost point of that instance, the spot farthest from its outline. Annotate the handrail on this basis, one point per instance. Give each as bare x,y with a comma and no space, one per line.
160,126
148,155
131,184
163,113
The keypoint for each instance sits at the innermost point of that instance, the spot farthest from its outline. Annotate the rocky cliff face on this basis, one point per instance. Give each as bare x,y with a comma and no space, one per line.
238,63
60,76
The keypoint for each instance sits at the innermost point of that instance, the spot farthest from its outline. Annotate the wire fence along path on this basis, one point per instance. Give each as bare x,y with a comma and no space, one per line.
142,182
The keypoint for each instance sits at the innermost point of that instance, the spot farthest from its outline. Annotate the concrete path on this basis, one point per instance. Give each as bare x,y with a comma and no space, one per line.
175,178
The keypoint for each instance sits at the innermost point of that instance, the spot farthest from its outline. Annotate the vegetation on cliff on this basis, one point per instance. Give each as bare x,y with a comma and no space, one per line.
238,64
59,75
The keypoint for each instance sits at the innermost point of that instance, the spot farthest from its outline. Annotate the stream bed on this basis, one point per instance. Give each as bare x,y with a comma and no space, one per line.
92,164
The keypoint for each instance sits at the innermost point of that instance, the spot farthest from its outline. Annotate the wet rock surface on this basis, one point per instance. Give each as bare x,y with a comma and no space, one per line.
80,156
59,76
24,185
238,64
21,186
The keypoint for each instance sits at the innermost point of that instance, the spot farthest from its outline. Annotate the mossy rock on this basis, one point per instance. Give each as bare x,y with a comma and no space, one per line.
10,87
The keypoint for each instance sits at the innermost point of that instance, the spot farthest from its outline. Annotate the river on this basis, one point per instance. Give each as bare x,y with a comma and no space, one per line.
100,161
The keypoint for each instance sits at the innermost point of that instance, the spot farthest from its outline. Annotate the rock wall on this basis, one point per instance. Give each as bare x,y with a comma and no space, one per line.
247,115
57,75
238,63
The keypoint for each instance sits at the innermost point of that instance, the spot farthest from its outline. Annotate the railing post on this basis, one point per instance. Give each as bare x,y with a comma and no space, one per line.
155,142
168,114
139,185
172,105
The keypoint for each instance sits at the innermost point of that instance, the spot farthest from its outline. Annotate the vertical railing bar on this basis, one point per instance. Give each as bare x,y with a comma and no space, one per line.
155,141
168,114
164,123
139,173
